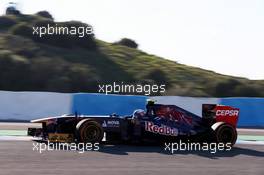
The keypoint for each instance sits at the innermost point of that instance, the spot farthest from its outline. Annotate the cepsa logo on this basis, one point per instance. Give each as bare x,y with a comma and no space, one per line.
163,130
229,113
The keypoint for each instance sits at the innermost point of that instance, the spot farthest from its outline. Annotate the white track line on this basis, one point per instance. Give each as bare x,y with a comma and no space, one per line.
246,142
15,138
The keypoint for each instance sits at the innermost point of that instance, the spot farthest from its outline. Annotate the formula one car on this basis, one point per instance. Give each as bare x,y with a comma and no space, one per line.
157,123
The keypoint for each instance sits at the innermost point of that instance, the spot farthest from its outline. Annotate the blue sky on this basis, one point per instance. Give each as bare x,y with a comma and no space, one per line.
226,36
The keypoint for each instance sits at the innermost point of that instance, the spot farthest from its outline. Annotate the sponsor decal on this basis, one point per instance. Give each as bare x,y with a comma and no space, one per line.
111,123
173,114
229,113
60,137
163,129
104,124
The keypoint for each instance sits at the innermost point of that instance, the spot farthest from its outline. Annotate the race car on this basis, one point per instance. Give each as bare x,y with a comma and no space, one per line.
157,123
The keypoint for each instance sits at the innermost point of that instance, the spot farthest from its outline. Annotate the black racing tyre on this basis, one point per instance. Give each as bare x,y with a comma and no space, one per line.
89,131
226,134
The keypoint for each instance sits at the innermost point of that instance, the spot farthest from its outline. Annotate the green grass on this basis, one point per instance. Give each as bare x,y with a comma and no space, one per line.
251,138
13,132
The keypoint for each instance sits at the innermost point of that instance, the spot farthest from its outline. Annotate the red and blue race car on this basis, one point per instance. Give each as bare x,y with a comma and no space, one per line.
157,123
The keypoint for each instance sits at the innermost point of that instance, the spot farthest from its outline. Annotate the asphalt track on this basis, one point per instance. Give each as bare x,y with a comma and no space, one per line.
19,158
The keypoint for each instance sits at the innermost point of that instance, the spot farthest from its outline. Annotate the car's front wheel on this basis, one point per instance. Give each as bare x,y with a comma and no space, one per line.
89,131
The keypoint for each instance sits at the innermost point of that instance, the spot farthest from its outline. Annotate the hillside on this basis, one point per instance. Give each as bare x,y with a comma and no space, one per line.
69,65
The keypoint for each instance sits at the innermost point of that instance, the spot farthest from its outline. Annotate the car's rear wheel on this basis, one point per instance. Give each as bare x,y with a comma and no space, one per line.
226,134
89,131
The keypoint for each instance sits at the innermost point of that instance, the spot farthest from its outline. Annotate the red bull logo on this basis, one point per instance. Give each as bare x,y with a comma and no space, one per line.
163,130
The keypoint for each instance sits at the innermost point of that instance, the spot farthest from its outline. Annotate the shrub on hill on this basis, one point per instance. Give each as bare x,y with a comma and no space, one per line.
45,14
127,42
6,22
21,29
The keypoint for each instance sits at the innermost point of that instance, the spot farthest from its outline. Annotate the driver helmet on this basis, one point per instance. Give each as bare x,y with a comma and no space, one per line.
138,114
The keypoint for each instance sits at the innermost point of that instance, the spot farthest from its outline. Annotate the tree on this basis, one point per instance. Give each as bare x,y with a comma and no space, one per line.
127,42
21,29
12,10
226,88
6,22
45,14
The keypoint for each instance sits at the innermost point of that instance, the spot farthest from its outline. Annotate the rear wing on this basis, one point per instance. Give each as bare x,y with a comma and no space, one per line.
220,113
